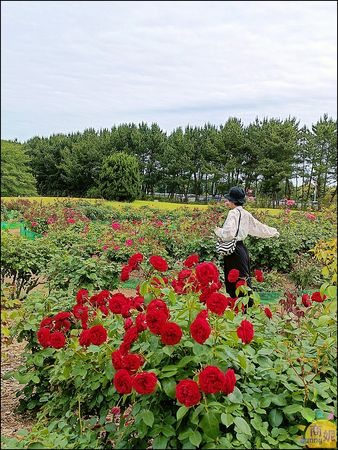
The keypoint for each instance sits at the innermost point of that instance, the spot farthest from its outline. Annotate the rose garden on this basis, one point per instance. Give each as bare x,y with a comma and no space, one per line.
173,361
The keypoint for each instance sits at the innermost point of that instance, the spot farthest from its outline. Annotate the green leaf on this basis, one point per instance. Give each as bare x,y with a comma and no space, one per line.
308,414
227,419
160,442
181,412
210,425
236,396
291,409
275,417
242,425
148,417
195,438
169,387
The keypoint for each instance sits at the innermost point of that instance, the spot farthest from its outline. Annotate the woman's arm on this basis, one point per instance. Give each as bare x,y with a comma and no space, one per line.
258,229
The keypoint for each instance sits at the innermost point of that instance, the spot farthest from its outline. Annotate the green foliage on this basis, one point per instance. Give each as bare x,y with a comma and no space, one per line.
120,177
284,375
16,176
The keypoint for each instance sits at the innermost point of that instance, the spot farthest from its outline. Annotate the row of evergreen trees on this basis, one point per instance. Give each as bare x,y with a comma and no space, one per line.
276,158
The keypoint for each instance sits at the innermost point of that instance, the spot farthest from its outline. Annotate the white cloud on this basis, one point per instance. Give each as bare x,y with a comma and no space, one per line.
71,65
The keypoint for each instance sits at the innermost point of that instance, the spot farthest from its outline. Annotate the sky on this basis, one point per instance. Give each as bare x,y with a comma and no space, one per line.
71,65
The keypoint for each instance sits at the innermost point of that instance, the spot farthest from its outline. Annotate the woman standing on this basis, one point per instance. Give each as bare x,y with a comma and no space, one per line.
240,219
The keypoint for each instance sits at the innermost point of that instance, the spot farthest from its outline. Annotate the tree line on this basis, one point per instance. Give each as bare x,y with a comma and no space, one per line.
273,157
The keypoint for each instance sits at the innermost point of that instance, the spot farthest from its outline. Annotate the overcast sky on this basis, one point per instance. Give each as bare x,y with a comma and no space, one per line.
71,65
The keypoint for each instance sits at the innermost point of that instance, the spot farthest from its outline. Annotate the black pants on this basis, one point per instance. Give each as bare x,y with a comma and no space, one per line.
239,260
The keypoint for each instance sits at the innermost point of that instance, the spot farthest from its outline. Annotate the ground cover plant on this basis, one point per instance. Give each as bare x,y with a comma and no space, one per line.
178,365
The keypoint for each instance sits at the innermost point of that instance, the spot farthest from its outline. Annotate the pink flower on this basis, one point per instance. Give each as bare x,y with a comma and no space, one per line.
70,220
105,247
116,247
290,202
116,226
129,242
141,239
310,216
34,224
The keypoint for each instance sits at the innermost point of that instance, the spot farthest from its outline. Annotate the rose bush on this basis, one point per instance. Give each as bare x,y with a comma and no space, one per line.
181,372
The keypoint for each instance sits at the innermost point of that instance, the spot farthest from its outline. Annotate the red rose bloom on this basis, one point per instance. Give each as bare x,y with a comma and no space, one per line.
98,334
138,302
187,393
306,300
233,275
82,296
317,297
125,272
123,382
141,322
259,275
241,283
80,312
131,335
211,380
191,261
207,272
229,382
158,306
200,330
158,263
185,273
217,303
135,260
84,338
119,303
171,333
268,312
245,331
144,382
156,320
132,362
43,336
57,340
128,323
117,360
62,316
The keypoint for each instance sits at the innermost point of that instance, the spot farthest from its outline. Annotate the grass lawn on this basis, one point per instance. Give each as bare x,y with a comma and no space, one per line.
135,204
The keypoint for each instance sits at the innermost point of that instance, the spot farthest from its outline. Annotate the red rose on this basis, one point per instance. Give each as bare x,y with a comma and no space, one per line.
268,312
211,380
138,302
104,310
241,283
217,303
207,272
259,275
80,312
185,273
132,362
144,382
131,335
191,261
84,338
125,272
317,297
44,336
47,322
229,382
157,305
57,340
233,275
135,260
245,331
98,334
117,360
171,333
306,300
141,322
119,303
156,320
123,382
200,330
82,296
202,314
187,393
62,316
128,323
158,263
